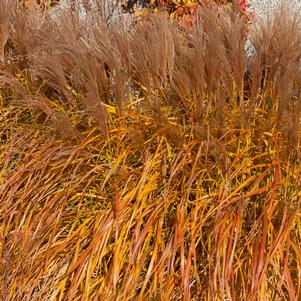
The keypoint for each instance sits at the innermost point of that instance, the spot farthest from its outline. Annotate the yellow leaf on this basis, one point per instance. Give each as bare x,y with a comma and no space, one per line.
110,108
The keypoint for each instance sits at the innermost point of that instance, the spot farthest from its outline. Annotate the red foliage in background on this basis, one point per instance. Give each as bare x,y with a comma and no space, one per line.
186,11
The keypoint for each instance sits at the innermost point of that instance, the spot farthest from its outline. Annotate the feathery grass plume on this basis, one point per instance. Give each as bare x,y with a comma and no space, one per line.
234,33
277,43
24,40
120,71
188,80
6,12
152,52
41,103
70,67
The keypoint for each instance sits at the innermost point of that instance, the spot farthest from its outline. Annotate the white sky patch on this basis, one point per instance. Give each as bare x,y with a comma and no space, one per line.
264,8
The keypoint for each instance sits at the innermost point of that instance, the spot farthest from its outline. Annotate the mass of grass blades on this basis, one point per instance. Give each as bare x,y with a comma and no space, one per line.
142,160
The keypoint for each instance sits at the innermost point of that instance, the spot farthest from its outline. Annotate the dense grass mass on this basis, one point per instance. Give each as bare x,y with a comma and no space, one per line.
141,160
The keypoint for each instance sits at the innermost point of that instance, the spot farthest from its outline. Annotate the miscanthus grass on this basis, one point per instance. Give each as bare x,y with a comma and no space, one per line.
143,161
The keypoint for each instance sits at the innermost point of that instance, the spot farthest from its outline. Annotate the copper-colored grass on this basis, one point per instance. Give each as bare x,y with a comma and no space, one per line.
143,161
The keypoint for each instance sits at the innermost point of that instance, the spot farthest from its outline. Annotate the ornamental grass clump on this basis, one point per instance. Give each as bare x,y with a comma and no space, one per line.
147,161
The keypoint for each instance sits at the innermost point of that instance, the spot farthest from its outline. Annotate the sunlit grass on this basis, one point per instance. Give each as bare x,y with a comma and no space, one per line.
167,183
